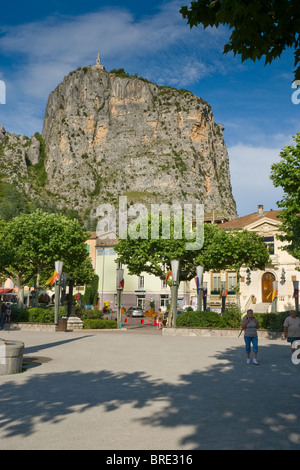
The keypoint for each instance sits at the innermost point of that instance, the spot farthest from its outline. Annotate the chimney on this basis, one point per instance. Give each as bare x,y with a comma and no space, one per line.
260,210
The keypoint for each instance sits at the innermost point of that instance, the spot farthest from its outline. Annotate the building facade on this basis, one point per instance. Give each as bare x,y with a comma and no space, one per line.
256,287
144,291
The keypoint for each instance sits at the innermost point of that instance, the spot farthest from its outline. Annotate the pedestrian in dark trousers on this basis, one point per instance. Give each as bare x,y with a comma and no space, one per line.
3,311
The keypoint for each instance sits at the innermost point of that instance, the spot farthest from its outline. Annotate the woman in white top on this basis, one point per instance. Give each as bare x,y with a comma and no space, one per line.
291,327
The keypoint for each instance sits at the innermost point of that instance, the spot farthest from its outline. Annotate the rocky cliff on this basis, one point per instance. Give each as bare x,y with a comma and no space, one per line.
108,134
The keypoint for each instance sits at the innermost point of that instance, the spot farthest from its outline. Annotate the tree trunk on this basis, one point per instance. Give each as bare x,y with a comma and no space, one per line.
37,287
238,290
20,291
70,300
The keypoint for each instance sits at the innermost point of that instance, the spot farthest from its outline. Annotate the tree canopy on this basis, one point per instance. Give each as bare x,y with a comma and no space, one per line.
286,174
221,250
31,243
259,28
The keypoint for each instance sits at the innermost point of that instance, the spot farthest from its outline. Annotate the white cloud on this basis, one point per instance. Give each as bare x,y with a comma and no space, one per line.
160,47
250,169
59,44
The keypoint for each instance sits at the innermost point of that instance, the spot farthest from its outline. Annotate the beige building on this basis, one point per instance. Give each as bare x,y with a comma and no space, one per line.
140,290
257,286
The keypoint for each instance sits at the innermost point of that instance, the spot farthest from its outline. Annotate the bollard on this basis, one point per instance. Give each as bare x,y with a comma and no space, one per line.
142,321
11,357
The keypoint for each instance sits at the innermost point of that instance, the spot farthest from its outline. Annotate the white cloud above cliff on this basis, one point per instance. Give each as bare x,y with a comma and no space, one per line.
161,44
253,102
250,169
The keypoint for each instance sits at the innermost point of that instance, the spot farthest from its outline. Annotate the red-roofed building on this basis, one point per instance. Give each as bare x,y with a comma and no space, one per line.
257,286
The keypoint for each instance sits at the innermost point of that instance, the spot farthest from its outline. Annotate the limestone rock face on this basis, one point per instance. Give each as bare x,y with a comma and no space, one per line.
106,136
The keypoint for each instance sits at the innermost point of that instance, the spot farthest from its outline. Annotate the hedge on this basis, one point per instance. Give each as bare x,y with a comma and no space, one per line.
92,314
99,324
271,321
267,321
33,315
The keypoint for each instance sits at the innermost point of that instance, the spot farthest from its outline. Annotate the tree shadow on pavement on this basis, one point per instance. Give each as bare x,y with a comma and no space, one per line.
229,405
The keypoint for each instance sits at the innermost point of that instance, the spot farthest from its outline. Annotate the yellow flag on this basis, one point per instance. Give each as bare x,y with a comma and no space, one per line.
52,278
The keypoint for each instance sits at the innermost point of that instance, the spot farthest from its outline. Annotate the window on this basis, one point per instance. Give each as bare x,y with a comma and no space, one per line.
217,283
164,300
164,285
141,282
269,241
231,282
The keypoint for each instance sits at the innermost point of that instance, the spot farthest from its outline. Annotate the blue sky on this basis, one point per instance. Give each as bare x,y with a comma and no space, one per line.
41,42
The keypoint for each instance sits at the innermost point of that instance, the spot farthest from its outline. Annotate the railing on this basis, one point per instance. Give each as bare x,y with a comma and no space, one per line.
137,322
247,304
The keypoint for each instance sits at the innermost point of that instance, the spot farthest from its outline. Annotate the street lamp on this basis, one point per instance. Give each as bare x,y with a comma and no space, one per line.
274,296
200,270
58,269
175,284
120,284
223,294
204,295
296,294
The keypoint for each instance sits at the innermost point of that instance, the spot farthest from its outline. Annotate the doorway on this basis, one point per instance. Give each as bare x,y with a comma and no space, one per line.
267,287
141,301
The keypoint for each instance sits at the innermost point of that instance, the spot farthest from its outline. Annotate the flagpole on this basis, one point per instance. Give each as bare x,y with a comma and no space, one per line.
296,295
120,273
58,271
274,296
199,281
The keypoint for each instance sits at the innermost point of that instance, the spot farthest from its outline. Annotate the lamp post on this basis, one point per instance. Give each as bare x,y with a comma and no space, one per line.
58,269
296,295
175,284
119,280
200,270
223,293
204,296
274,296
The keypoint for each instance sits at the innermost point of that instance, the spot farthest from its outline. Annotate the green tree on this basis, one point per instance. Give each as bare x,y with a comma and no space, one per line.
12,202
247,249
286,174
154,256
259,28
31,243
221,250
91,291
233,250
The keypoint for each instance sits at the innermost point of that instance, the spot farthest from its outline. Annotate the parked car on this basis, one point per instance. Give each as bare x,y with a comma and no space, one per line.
135,312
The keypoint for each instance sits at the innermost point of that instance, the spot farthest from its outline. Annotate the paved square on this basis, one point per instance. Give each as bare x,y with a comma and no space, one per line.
139,390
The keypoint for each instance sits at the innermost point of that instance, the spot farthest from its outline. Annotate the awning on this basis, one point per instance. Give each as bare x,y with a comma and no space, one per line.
6,291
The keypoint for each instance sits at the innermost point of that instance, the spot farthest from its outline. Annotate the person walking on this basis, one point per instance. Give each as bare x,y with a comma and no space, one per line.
250,326
3,310
291,328
160,318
